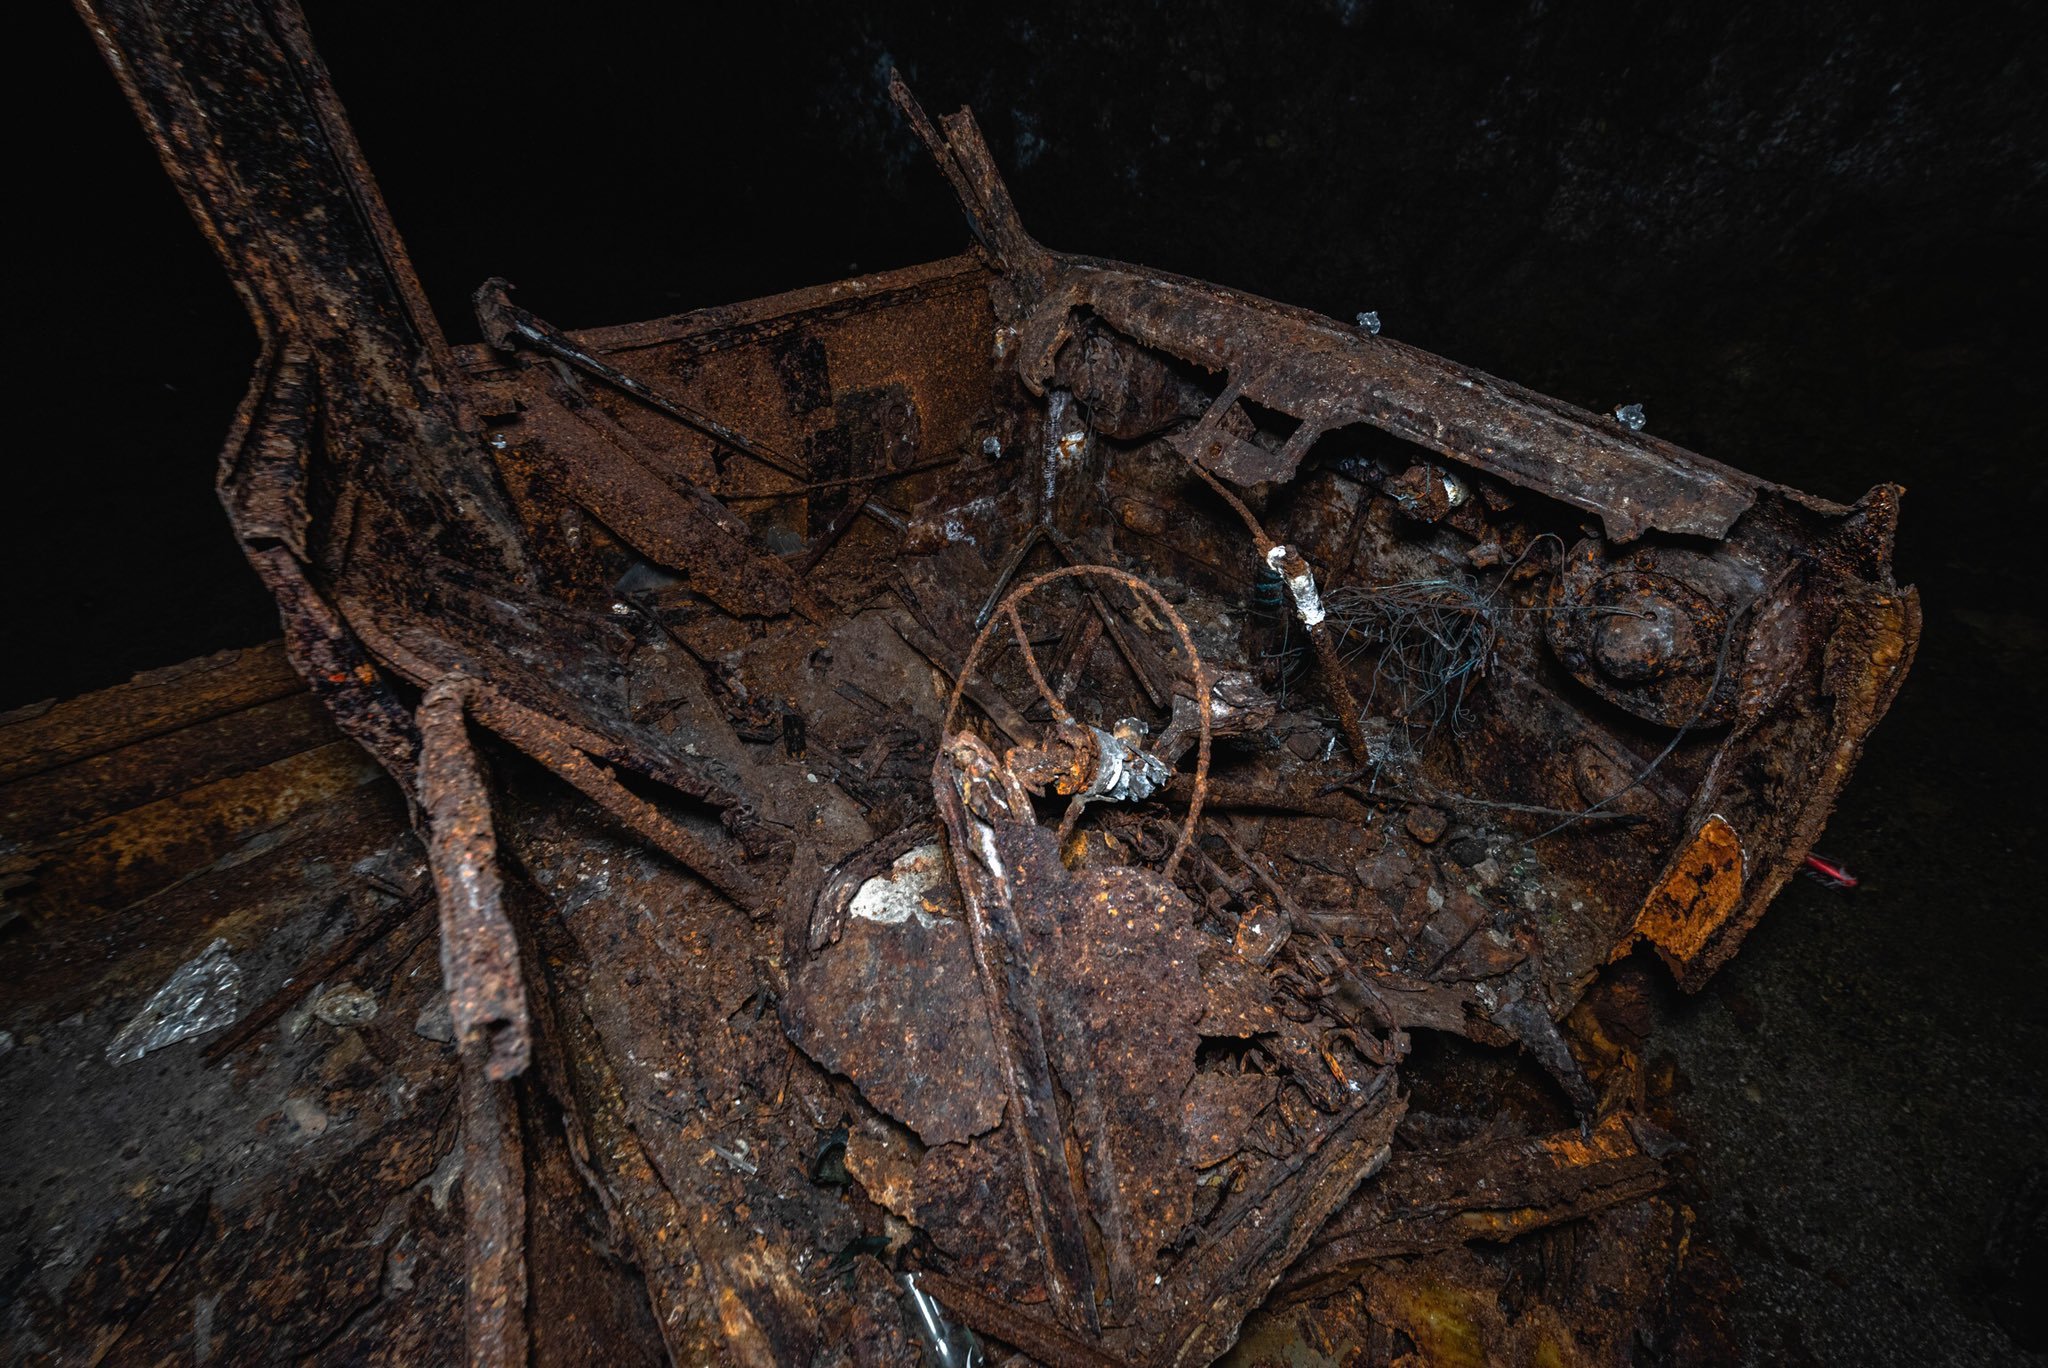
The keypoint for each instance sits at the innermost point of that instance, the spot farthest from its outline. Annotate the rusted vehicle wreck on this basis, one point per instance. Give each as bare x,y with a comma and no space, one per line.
956,797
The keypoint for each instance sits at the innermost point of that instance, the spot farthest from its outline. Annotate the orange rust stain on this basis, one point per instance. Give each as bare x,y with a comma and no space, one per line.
1699,893
1608,1140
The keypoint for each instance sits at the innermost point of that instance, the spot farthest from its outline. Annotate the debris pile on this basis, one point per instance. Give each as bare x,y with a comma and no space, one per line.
965,805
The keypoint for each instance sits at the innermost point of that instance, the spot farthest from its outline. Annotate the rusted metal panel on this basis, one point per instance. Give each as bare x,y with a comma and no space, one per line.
1329,376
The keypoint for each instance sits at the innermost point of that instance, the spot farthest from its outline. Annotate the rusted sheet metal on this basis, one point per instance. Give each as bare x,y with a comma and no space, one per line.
1328,376
1497,1191
47,736
675,526
927,1048
1309,714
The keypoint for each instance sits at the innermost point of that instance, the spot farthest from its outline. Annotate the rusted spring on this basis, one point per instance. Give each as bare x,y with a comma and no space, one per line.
1008,608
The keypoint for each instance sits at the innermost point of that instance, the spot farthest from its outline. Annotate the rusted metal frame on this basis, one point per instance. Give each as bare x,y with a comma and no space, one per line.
479,952
897,428
1437,797
494,1217
488,1008
334,663
262,480
250,131
849,512
963,158
1208,444
966,776
700,333
368,196
565,749
181,93
1251,796
1328,375
506,326
1258,871
1247,1206
282,194
492,707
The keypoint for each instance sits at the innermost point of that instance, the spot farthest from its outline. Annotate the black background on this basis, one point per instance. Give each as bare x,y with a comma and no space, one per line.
1807,238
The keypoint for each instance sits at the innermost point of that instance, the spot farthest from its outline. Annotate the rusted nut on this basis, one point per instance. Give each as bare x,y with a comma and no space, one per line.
1644,640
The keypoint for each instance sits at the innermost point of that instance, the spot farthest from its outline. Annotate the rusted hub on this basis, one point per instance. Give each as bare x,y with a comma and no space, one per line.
1645,632
1645,639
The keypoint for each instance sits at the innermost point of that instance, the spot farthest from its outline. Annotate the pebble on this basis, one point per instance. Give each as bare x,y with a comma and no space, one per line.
434,1023
305,1115
346,1005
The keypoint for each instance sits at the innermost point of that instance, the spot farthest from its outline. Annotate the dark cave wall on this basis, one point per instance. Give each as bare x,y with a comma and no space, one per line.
1799,235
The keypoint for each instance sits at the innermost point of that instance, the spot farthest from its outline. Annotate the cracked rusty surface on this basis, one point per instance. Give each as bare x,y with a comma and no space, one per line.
1008,769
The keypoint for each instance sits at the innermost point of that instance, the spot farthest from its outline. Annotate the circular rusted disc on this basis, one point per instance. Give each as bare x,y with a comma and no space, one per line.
1641,633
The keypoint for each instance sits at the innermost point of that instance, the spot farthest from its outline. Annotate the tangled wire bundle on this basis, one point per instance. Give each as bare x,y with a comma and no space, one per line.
1432,640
